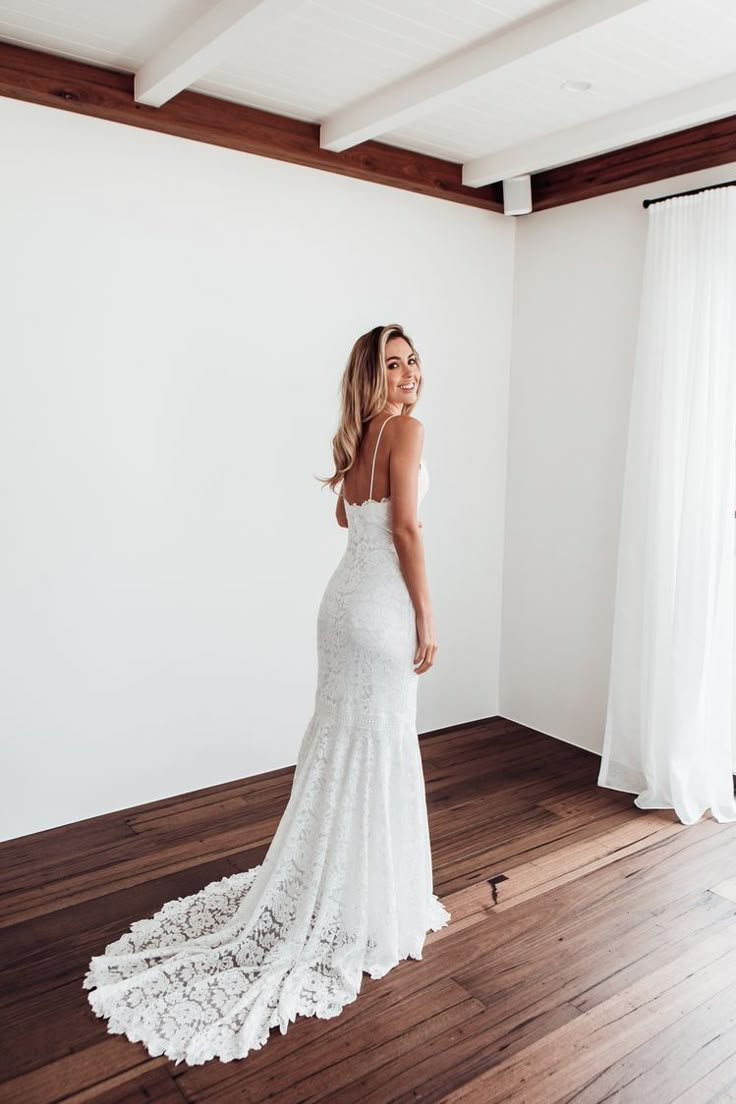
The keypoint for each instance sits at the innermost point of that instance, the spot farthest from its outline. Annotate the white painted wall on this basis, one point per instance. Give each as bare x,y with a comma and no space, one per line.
176,318
578,273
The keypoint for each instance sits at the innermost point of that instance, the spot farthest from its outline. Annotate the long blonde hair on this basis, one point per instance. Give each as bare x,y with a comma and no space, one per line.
363,394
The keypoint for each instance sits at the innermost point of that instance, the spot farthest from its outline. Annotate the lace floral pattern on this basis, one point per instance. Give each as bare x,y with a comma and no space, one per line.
346,885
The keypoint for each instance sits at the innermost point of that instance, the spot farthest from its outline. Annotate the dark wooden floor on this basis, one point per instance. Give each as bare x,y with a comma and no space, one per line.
591,955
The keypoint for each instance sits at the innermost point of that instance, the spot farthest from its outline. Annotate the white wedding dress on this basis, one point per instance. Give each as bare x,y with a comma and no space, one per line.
346,884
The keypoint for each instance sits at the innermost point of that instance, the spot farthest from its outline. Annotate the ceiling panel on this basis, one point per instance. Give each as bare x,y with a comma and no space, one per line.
641,55
329,53
326,54
114,35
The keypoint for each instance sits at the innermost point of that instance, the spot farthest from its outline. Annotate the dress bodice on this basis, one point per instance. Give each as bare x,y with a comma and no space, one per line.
369,522
375,514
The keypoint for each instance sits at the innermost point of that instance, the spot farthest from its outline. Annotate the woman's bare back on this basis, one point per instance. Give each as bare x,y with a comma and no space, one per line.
356,485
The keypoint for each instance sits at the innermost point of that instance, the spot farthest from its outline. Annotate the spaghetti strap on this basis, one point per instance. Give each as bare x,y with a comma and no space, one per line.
370,489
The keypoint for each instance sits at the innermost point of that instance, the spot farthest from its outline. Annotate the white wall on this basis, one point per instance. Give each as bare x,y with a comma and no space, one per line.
176,318
578,273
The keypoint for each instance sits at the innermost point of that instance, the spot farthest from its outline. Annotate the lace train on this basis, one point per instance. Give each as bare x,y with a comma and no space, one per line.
343,890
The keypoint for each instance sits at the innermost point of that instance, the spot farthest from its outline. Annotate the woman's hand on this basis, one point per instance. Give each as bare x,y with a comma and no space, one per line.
426,644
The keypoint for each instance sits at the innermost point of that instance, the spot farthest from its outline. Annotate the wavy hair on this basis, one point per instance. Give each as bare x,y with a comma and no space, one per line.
363,394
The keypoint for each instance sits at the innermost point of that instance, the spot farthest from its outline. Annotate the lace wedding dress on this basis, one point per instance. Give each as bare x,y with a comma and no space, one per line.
346,884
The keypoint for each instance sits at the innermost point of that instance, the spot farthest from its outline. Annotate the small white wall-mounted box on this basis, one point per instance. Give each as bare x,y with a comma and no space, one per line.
517,195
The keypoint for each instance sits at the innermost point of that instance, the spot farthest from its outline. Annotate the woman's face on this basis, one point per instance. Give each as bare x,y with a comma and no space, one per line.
403,373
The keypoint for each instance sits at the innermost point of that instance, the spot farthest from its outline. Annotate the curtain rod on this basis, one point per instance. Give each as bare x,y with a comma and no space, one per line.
707,188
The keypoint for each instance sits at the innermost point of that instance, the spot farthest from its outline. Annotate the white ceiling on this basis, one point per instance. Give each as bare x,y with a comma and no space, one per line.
472,81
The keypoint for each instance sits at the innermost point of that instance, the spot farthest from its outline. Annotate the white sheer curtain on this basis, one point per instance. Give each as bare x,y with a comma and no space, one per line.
670,718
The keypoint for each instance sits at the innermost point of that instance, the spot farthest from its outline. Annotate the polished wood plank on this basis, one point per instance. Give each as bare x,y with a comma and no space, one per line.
589,1046
569,905
532,967
717,1086
152,1086
358,1049
726,889
56,1080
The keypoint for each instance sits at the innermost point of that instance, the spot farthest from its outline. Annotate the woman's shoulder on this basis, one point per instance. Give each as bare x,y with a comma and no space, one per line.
398,428
407,427
404,423
405,435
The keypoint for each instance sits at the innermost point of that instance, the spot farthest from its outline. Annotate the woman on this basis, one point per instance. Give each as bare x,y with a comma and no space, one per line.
346,884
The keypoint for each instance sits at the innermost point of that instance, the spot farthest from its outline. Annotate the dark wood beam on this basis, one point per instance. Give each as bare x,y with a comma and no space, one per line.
699,147
55,81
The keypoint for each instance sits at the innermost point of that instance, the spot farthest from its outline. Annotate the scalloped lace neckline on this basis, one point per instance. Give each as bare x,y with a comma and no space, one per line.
375,501
366,501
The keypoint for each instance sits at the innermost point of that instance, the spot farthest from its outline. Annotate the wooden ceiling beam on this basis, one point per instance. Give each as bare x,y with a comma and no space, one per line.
54,81
200,46
699,147
688,107
429,88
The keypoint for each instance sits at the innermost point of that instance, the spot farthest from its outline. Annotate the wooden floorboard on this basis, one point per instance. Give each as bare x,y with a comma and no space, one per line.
591,955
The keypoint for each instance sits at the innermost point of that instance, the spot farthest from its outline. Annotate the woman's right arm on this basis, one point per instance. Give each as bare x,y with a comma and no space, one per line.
406,451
